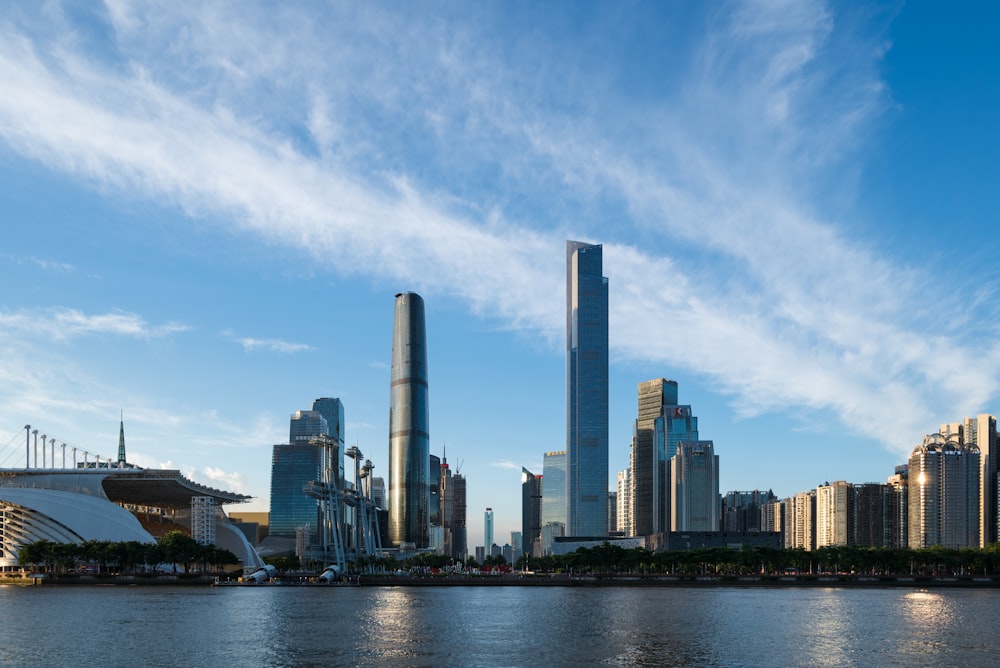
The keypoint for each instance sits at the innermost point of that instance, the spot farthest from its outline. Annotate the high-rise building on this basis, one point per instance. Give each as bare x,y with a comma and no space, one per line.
459,532
872,515
409,420
531,509
434,491
488,529
694,487
834,514
612,513
899,507
647,461
800,521
554,468
944,493
304,425
332,411
624,502
292,466
586,390
981,431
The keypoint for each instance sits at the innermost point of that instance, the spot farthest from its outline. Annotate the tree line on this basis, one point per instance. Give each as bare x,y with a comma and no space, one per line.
762,560
175,548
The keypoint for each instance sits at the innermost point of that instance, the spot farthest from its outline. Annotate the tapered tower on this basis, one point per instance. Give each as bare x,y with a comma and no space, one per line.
409,431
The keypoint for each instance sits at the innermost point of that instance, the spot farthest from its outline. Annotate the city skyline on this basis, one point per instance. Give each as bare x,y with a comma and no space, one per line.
206,212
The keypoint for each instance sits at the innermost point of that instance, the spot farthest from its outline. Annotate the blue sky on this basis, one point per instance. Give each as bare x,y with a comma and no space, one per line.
206,212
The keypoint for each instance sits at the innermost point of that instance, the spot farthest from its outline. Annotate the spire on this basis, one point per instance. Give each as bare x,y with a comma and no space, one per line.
121,441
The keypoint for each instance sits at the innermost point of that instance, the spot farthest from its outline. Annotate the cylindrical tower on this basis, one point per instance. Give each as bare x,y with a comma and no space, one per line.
409,431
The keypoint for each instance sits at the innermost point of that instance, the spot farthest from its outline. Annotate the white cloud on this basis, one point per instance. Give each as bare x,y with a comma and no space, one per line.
734,275
63,323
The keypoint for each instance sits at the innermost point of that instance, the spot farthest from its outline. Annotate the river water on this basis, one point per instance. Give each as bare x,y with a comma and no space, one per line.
497,626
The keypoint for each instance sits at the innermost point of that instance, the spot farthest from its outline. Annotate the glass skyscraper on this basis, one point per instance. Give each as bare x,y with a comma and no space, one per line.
332,411
676,424
586,391
695,504
292,466
409,430
647,460
554,489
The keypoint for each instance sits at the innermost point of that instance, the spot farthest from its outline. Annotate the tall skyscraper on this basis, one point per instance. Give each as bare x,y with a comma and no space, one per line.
674,426
488,529
531,509
409,425
981,431
624,501
648,462
694,487
554,469
586,390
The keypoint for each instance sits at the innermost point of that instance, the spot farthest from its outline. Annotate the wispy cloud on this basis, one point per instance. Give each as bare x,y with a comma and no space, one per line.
61,324
274,345
736,276
505,464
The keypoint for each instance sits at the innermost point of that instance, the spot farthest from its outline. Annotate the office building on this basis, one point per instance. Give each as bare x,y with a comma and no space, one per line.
409,425
899,507
694,487
648,461
613,513
586,390
742,511
554,471
292,466
332,411
531,510
872,515
944,493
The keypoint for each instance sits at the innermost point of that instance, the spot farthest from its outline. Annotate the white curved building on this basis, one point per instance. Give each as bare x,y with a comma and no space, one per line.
77,505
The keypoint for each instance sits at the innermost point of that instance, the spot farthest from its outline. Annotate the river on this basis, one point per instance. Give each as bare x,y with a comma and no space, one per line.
497,626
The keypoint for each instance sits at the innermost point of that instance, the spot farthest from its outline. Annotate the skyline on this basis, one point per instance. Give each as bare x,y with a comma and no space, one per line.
206,217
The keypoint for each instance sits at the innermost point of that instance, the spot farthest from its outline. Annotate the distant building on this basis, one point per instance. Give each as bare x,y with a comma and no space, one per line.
944,493
742,511
459,537
624,502
800,521
694,487
292,466
613,514
872,515
981,431
899,507
488,528
586,390
531,510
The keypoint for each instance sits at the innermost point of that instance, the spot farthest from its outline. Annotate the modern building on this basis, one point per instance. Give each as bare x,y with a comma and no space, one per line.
293,465
117,502
332,411
872,506
531,510
743,510
459,531
613,514
981,431
647,462
899,507
488,529
694,487
554,472
834,514
409,425
944,493
586,390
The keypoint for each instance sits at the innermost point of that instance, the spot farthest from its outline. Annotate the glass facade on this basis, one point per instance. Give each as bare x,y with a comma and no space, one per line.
586,391
554,488
531,509
694,487
292,466
409,430
332,411
647,460
674,425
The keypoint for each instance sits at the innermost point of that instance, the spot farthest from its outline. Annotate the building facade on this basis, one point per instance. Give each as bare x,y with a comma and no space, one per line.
694,487
554,470
623,499
531,510
834,514
648,462
586,390
944,493
409,425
